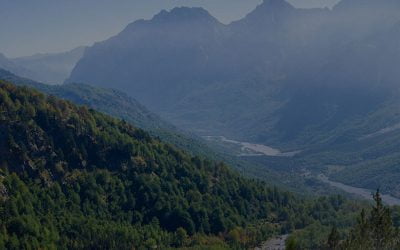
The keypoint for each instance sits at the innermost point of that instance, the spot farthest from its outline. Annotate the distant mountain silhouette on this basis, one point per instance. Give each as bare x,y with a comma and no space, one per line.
9,65
269,77
51,68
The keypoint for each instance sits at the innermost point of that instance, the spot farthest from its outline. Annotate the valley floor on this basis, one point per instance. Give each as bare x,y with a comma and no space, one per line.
246,149
252,149
364,193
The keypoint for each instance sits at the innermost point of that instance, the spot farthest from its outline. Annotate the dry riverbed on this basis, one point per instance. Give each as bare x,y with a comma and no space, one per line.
277,243
252,149
364,193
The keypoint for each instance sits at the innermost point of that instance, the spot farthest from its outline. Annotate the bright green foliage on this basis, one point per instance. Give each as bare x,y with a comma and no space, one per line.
74,178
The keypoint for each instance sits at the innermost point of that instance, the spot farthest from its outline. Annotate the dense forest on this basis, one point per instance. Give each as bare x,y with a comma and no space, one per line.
72,177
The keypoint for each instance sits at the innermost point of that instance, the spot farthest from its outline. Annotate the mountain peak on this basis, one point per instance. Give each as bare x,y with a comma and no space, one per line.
183,14
179,17
268,9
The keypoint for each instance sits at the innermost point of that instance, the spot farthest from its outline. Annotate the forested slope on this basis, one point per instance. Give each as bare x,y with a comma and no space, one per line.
73,177
122,106
117,104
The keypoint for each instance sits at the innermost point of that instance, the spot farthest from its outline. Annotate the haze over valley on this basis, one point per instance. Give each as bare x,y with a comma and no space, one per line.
310,80
189,129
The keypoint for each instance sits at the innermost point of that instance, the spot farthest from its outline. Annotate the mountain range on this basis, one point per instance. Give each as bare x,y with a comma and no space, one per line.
246,79
317,80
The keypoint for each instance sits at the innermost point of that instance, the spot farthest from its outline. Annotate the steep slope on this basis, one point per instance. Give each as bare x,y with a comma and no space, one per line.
144,50
364,151
250,76
75,178
184,91
347,71
51,68
118,104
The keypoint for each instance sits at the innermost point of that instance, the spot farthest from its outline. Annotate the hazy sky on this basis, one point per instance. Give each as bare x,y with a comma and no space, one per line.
32,26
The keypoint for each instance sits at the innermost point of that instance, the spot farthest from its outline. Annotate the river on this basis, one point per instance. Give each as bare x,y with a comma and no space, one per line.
365,193
253,149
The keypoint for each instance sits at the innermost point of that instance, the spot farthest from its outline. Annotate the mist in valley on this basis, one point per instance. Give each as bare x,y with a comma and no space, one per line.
301,96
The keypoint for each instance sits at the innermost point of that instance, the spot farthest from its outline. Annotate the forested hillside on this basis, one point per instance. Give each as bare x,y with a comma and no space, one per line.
117,104
122,106
74,178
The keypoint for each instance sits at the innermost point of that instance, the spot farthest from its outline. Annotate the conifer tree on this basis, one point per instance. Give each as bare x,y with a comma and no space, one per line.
334,239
